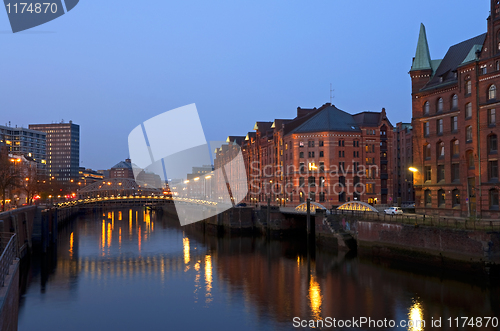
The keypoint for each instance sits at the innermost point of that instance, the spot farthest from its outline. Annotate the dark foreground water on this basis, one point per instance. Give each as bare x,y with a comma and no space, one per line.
131,270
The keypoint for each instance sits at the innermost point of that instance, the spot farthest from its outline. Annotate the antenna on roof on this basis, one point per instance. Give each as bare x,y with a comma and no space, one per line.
331,93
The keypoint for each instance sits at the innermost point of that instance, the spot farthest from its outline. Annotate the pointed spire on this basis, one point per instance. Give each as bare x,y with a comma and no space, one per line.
422,59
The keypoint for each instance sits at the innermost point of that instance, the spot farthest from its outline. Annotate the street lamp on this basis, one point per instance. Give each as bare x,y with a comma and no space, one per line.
413,169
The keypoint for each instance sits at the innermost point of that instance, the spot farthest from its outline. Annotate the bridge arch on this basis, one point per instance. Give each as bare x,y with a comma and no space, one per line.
357,206
117,187
314,205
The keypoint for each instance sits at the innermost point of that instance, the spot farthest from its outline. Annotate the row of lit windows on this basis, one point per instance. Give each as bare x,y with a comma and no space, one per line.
455,198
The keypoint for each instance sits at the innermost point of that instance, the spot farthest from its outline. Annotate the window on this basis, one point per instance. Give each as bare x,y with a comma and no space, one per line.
321,154
468,110
321,196
370,188
302,167
492,117
454,101
301,155
321,181
427,151
492,144
455,148
321,143
370,148
311,181
484,69
312,166
342,181
370,160
342,197
468,133
341,166
428,198
455,172
426,108
454,123
301,196
468,87
493,171
440,173
492,92
497,65
470,160
440,126
441,199
341,143
426,129
311,154
439,106
493,199
310,143
440,149
322,166
427,173
455,198
301,181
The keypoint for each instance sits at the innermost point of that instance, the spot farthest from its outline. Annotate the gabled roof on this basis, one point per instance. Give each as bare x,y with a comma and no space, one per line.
278,123
472,56
328,118
262,126
235,139
422,60
453,59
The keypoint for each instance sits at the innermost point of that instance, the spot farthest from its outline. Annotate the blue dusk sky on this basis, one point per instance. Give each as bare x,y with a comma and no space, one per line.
110,65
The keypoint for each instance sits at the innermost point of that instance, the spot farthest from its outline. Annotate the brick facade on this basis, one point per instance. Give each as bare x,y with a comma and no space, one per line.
455,125
289,160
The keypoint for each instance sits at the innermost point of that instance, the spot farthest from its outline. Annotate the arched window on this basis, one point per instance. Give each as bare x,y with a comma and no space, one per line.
426,128
468,86
497,65
493,199
468,133
468,110
439,126
492,144
428,198
454,101
470,159
440,149
455,148
455,197
440,105
427,151
426,108
492,92
441,199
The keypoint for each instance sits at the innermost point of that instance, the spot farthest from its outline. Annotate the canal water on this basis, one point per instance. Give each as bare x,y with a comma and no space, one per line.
133,270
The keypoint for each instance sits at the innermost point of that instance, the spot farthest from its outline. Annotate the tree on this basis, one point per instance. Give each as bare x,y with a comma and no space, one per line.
9,175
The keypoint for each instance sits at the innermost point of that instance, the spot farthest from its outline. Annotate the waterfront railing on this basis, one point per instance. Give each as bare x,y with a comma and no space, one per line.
8,246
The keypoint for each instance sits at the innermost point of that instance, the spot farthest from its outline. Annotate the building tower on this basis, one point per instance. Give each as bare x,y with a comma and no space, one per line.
63,150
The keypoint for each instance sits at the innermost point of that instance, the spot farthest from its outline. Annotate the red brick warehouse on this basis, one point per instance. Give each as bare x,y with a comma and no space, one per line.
325,154
454,103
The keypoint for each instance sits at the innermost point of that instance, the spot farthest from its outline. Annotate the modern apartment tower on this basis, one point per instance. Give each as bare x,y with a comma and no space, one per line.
22,141
63,149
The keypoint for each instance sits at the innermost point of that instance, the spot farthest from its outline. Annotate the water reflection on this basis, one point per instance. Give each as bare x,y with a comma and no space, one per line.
415,317
168,273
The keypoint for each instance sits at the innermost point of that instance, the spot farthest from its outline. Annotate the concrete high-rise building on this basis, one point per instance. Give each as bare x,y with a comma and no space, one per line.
63,149
22,141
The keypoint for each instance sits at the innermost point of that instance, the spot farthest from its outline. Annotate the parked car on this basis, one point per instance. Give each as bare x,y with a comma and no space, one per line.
393,211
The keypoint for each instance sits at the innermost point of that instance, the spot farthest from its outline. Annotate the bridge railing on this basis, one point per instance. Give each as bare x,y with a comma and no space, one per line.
425,220
8,245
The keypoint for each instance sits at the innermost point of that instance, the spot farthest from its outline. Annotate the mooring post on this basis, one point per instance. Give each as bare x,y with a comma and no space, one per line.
268,213
308,216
